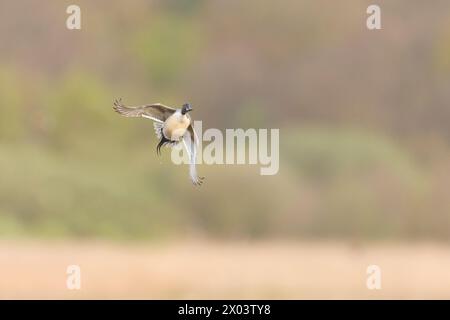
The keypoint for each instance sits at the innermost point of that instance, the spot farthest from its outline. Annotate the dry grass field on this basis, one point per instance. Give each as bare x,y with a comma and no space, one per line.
196,269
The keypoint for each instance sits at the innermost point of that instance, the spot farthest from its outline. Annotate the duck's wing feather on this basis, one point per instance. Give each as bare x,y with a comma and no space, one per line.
156,112
190,141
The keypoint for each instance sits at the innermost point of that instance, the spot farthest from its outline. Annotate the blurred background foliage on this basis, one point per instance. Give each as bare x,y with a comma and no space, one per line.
363,117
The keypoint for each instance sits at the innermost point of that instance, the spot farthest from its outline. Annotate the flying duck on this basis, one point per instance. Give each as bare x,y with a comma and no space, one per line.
172,126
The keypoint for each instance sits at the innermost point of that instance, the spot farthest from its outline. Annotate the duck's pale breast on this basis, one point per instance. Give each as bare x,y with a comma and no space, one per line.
175,126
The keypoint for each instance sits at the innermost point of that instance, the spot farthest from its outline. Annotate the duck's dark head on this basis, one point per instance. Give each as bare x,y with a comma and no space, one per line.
186,108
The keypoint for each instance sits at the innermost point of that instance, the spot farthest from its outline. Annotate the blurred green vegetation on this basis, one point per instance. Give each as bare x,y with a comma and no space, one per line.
166,46
11,127
364,129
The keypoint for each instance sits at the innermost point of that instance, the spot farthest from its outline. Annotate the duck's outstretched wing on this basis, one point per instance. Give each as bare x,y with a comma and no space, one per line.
190,143
156,112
